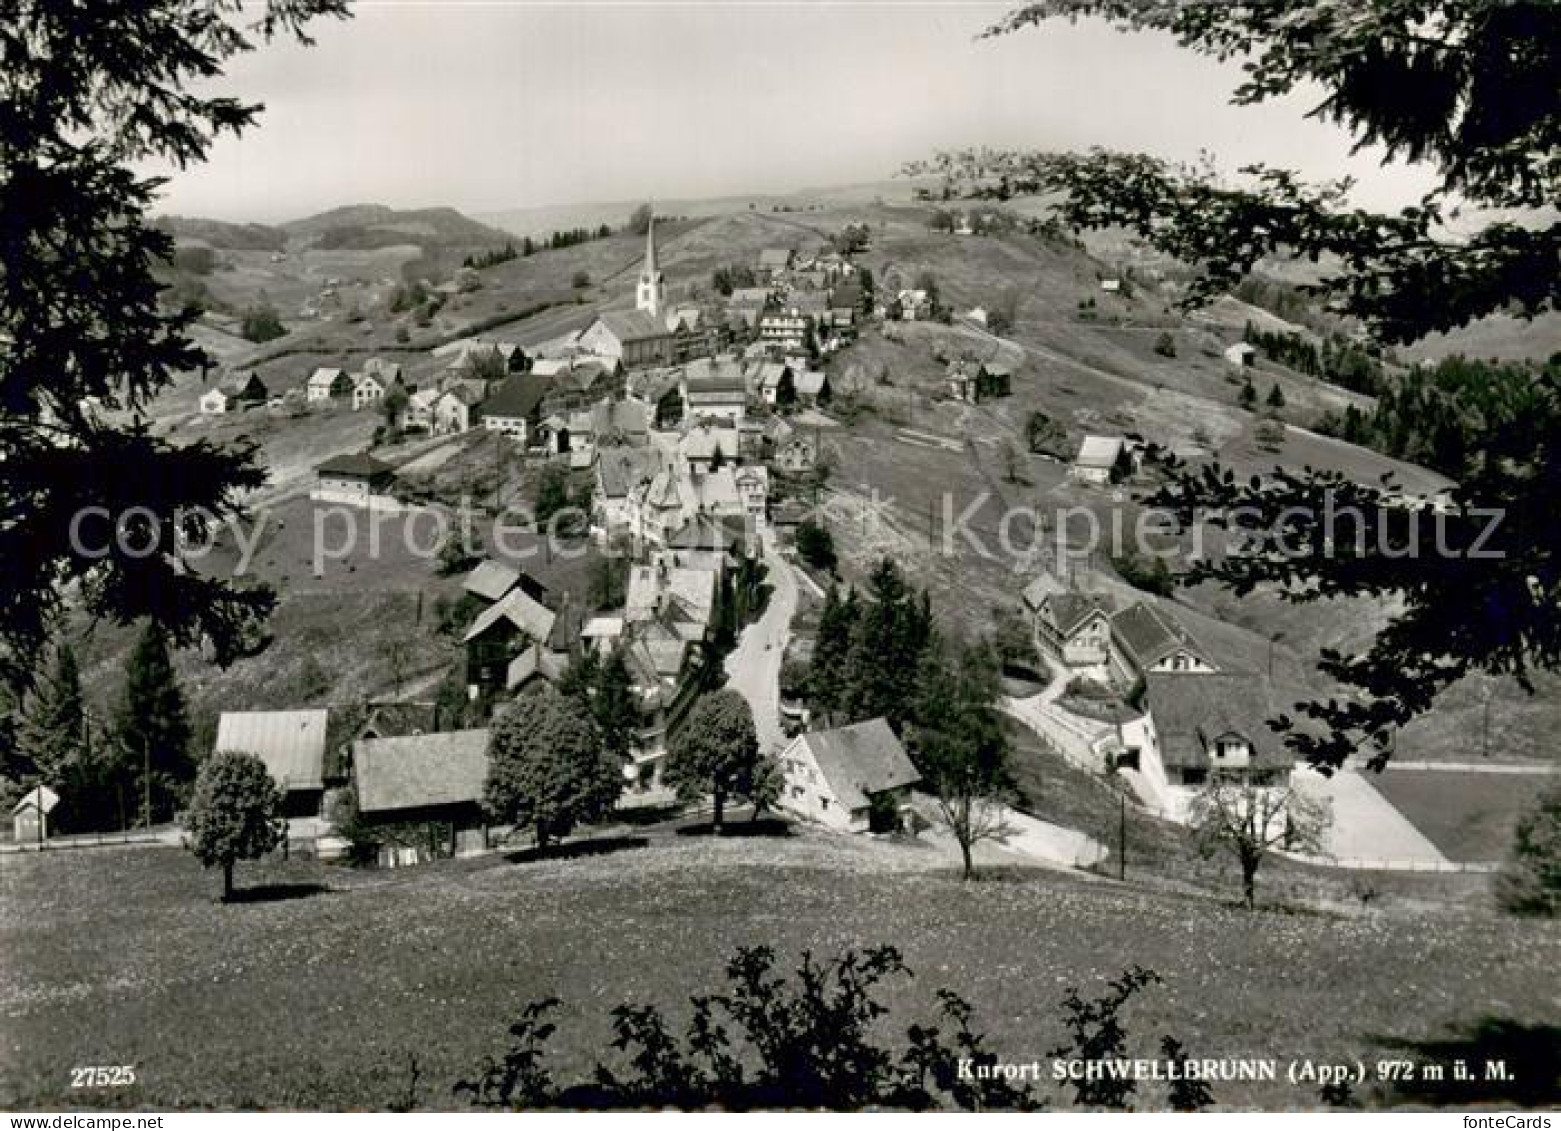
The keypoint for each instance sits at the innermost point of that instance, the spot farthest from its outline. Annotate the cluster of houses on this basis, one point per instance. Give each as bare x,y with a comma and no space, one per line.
681,439
1197,720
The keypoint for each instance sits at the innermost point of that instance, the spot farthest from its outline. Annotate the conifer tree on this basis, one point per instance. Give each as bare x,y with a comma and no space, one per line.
152,727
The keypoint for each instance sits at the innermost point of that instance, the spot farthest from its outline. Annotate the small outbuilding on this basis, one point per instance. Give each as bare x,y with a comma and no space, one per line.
30,815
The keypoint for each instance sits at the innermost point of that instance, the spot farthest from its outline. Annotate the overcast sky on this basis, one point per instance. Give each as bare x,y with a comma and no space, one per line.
507,104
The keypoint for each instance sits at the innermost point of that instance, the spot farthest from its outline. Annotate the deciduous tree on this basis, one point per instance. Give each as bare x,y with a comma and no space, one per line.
235,813
1467,91
715,752
1248,820
547,768
957,743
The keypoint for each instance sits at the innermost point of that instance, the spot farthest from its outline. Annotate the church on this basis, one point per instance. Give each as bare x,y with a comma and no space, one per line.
650,334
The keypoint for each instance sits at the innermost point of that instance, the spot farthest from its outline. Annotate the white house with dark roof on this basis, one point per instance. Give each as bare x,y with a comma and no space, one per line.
1196,726
292,746
856,778
328,384
1073,629
1101,460
356,479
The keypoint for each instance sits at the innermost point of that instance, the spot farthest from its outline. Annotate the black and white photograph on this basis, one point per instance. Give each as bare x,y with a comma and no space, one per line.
819,557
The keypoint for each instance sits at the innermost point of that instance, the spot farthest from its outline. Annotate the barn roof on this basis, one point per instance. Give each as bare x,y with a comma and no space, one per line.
1192,710
290,743
520,609
358,464
420,771
1149,635
1099,451
860,760
491,580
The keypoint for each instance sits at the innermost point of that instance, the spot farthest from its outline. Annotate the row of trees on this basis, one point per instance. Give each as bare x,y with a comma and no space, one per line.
880,654
1334,359
1456,415
137,766
557,756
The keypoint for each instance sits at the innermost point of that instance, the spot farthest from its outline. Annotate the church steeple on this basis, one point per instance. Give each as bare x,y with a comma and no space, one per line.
652,292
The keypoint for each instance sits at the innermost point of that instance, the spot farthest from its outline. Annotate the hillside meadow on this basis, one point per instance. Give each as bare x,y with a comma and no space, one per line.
326,986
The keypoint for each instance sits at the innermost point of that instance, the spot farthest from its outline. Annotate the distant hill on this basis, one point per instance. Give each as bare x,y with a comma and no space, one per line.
365,227
223,235
541,220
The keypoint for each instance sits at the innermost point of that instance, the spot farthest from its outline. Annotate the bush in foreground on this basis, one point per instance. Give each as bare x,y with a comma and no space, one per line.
811,1042
1529,883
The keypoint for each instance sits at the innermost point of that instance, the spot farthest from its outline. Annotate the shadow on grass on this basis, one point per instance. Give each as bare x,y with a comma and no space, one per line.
648,814
1505,1062
276,893
578,849
743,827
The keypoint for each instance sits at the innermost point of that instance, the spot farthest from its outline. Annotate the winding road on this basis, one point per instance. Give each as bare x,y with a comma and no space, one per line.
753,667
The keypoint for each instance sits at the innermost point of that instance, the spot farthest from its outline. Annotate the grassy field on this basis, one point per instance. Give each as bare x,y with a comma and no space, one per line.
1470,817
319,990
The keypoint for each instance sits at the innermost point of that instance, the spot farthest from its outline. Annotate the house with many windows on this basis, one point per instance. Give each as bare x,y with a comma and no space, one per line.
1199,726
855,779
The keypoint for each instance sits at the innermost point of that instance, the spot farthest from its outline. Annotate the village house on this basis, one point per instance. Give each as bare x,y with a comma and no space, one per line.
491,581
30,815
420,412
500,636
459,408
785,328
714,388
774,262
292,746
659,392
704,447
776,386
974,381
515,409
1202,726
423,794
855,779
798,454
1144,640
621,473
579,385
1071,628
357,479
977,314
1102,460
234,394
368,389
328,384
1241,355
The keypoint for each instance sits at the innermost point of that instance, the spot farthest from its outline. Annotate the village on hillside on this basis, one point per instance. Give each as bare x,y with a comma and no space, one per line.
644,617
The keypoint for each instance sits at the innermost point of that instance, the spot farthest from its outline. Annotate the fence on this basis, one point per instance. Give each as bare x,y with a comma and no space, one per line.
1367,864
87,840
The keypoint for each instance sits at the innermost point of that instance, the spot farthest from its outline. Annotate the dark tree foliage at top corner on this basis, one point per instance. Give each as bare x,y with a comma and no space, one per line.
1472,91
89,94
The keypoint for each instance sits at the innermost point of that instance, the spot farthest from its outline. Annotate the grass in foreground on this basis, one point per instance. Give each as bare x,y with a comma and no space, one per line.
322,989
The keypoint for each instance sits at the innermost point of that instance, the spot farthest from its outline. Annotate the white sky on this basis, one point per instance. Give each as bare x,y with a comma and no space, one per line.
506,104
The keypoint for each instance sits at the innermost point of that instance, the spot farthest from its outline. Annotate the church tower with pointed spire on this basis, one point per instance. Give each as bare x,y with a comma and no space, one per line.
652,293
